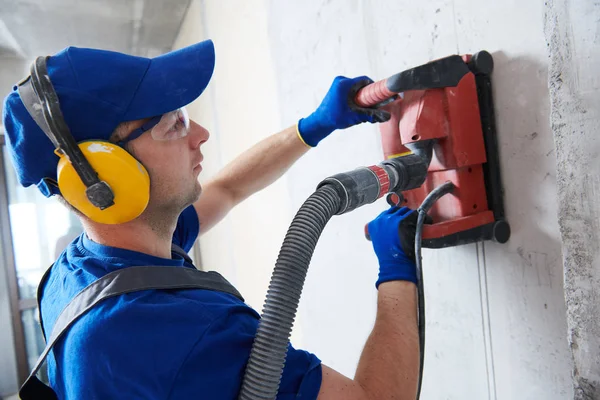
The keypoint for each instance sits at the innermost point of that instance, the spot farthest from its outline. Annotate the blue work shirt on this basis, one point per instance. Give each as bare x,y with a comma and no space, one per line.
155,344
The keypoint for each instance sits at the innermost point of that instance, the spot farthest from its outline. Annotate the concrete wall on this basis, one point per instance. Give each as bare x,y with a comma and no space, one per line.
496,313
239,108
573,37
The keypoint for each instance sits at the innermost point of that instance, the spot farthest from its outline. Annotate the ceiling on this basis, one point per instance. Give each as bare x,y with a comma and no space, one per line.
29,28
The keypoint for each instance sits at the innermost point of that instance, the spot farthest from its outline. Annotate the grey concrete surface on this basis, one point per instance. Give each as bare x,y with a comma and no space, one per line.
496,313
573,36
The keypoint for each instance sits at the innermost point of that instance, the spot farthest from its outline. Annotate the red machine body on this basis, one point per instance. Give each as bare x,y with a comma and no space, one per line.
452,116
460,120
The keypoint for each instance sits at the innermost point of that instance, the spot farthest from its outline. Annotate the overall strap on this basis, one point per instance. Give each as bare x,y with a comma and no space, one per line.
40,289
178,250
126,280
174,249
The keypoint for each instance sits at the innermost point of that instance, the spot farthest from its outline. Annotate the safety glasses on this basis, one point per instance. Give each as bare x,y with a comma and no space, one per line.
170,126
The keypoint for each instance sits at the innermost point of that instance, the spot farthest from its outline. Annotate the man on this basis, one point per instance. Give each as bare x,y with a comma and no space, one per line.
182,344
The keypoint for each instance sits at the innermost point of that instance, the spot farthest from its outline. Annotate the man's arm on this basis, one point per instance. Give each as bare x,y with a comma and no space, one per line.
389,364
264,163
250,172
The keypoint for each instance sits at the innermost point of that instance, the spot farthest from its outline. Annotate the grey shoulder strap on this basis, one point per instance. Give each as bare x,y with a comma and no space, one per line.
126,280
178,250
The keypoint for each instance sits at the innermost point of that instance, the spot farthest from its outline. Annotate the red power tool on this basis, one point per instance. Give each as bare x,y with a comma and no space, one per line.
447,104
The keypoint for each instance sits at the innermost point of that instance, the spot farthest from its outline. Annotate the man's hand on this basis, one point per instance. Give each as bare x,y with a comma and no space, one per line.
393,236
339,111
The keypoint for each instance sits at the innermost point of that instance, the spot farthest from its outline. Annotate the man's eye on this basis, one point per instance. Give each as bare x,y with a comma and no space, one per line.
174,131
178,125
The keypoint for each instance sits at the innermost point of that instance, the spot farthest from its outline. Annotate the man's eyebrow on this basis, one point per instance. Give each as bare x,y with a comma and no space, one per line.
121,131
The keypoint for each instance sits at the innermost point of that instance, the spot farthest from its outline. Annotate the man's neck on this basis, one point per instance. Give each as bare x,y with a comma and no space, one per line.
146,235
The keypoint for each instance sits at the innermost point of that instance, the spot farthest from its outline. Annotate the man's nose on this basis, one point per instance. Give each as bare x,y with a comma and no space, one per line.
197,134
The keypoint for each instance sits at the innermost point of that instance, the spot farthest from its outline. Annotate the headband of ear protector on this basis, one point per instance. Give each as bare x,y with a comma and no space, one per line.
98,178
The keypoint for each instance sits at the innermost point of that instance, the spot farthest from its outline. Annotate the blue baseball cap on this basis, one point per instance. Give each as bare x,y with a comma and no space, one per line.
97,90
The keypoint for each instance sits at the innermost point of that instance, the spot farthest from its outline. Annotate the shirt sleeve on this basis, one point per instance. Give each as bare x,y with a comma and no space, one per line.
215,366
187,229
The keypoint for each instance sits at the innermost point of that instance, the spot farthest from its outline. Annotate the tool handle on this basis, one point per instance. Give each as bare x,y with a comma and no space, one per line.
445,72
373,94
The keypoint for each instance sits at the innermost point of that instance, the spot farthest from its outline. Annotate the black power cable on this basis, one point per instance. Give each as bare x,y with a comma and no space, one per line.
423,209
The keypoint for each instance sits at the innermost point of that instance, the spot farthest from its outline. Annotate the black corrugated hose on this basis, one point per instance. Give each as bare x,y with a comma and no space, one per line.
267,358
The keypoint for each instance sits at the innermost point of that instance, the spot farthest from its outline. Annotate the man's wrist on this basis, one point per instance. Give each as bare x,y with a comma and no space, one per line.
408,286
396,279
312,131
398,299
300,136
404,272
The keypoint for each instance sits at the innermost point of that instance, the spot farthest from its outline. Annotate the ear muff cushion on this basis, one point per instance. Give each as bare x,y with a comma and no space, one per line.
126,176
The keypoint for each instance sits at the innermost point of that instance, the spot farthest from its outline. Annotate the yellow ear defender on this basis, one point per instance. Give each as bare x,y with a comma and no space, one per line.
126,177
98,178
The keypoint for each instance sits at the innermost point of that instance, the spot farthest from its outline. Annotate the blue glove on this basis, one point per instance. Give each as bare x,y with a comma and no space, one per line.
393,236
338,111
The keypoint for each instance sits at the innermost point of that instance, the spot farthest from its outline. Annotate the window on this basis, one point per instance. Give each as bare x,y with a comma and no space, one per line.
39,230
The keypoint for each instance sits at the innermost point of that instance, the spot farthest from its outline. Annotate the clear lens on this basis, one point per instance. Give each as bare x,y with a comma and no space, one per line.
173,125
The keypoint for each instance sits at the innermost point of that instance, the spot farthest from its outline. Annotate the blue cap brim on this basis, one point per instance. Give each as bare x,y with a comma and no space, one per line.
173,80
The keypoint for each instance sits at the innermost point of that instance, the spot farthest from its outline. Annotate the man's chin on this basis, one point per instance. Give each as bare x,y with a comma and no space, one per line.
197,191
195,194
185,200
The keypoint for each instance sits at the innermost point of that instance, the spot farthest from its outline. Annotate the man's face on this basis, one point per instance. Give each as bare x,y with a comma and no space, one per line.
173,166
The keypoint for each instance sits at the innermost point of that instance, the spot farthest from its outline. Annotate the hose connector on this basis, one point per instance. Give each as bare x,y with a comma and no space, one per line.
366,184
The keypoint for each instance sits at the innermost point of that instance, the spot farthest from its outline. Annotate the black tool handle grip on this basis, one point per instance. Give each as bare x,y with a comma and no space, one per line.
445,72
